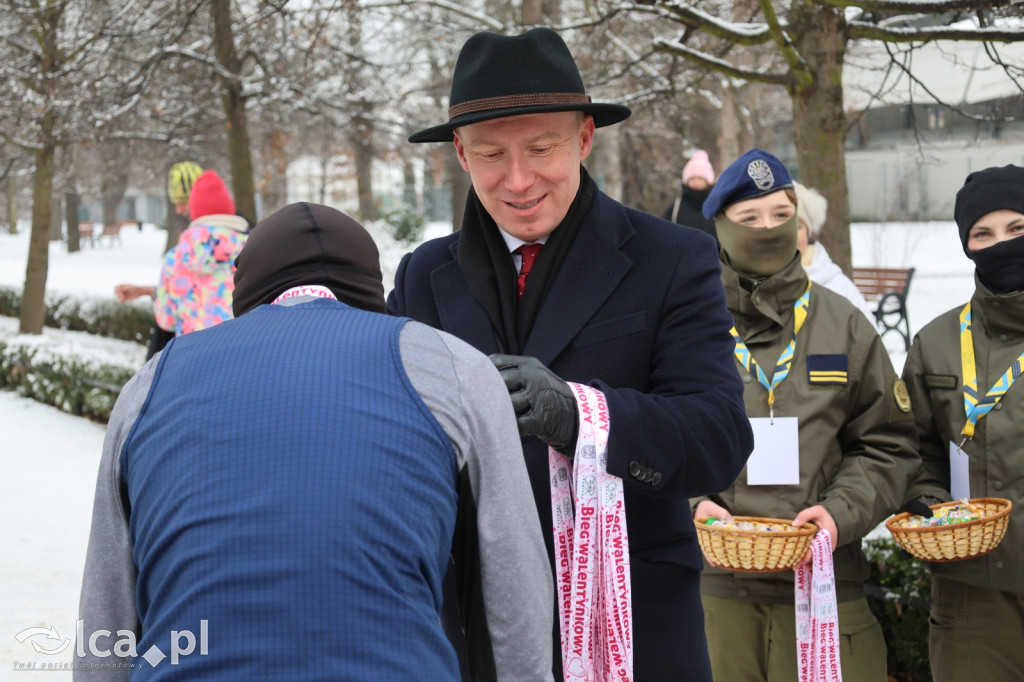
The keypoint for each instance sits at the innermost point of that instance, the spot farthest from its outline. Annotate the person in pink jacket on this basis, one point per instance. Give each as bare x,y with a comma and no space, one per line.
196,281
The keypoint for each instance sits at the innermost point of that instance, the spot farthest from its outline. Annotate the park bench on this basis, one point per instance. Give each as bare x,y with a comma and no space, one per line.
888,287
113,232
86,233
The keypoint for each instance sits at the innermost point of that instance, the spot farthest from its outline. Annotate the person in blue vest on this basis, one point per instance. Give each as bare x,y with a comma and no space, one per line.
561,283
278,495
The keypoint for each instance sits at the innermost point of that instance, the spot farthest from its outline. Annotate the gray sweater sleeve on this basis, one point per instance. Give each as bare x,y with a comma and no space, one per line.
465,393
108,587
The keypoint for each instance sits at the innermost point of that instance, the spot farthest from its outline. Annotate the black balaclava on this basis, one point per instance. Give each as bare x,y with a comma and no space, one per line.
307,244
1000,266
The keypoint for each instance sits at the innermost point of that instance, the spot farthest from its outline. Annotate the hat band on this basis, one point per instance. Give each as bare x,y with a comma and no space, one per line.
515,101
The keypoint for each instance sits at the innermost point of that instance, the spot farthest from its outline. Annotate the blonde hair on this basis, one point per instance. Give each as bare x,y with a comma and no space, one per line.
811,207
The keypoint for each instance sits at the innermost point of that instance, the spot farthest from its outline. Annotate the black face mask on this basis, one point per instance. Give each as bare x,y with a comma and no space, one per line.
1001,266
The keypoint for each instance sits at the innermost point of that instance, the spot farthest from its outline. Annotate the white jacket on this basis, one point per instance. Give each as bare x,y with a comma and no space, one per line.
824,272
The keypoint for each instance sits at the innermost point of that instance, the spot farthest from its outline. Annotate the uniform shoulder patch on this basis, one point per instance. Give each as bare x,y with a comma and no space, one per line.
828,370
942,381
901,396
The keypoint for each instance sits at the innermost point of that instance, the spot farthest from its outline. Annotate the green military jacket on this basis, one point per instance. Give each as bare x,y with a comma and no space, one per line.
934,377
858,447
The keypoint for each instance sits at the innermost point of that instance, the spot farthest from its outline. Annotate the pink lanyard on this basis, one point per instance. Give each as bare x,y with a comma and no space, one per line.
817,616
591,552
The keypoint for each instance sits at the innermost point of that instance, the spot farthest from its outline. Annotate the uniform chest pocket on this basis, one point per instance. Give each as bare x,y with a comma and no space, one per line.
828,370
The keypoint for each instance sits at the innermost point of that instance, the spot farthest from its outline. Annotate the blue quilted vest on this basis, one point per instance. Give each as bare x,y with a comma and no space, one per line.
293,504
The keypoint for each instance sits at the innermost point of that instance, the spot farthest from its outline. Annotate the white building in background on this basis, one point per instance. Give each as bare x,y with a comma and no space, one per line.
907,156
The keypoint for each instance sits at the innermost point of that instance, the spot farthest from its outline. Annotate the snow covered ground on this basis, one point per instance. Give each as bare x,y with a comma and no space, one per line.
48,459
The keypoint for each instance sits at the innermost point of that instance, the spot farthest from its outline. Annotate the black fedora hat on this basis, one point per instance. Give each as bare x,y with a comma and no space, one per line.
533,73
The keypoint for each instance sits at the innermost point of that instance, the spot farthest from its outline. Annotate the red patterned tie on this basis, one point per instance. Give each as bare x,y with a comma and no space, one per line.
529,253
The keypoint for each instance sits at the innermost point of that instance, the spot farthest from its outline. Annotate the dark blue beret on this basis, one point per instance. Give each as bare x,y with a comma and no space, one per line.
754,174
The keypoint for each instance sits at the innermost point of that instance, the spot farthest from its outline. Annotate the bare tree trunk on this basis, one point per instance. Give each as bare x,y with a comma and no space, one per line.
729,143
532,12
273,184
71,201
113,189
361,138
239,151
819,122
33,298
176,224
12,203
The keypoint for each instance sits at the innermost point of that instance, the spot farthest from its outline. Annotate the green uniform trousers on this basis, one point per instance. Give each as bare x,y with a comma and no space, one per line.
757,642
976,634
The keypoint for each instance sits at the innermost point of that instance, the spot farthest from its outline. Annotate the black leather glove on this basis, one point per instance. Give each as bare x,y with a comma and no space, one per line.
917,506
544,404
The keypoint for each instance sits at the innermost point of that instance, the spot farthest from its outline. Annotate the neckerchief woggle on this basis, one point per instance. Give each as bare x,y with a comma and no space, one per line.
817,615
591,552
782,365
976,407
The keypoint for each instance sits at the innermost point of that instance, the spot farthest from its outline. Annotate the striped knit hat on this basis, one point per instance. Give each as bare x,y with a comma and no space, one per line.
180,179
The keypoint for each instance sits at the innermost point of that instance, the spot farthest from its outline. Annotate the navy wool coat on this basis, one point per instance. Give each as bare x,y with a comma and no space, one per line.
636,310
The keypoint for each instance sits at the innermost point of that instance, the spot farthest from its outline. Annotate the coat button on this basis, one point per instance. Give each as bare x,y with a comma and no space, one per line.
744,592
656,479
999,564
634,469
747,378
998,406
647,476
998,485
1003,337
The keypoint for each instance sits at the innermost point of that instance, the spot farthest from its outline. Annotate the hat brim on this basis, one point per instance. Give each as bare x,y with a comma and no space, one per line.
604,115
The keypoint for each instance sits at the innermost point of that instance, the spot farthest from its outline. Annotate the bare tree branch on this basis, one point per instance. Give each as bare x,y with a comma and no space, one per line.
863,30
719,65
935,7
740,34
797,67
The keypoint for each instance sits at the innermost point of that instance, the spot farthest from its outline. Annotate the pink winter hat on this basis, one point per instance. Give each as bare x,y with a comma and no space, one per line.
209,196
699,167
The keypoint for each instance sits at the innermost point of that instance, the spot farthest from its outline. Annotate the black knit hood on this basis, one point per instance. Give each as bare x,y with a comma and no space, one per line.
307,244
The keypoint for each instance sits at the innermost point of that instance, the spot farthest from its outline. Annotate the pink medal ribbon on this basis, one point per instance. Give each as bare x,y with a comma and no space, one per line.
591,552
817,616
306,290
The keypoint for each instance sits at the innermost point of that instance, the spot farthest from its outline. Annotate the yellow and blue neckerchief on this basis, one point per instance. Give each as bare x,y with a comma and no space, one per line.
976,407
782,365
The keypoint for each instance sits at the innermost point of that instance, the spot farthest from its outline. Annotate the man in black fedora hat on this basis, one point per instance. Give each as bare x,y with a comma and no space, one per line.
558,282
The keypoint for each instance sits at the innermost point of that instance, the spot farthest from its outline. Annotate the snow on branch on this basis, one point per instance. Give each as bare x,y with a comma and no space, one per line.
915,6
740,34
860,29
719,65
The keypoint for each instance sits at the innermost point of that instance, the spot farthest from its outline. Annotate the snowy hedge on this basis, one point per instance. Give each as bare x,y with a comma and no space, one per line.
78,385
100,316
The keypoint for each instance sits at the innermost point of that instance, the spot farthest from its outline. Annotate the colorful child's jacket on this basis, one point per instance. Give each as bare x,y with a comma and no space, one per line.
197,278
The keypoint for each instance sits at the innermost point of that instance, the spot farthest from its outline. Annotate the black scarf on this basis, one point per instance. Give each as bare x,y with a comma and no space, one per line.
487,265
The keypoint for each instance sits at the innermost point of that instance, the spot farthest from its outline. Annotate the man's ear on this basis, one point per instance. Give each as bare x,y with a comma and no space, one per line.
461,152
586,137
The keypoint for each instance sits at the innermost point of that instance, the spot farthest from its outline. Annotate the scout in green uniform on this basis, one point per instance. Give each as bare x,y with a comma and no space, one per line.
977,616
834,434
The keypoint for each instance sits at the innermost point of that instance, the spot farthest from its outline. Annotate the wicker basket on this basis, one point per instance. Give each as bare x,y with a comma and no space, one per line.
756,550
957,541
